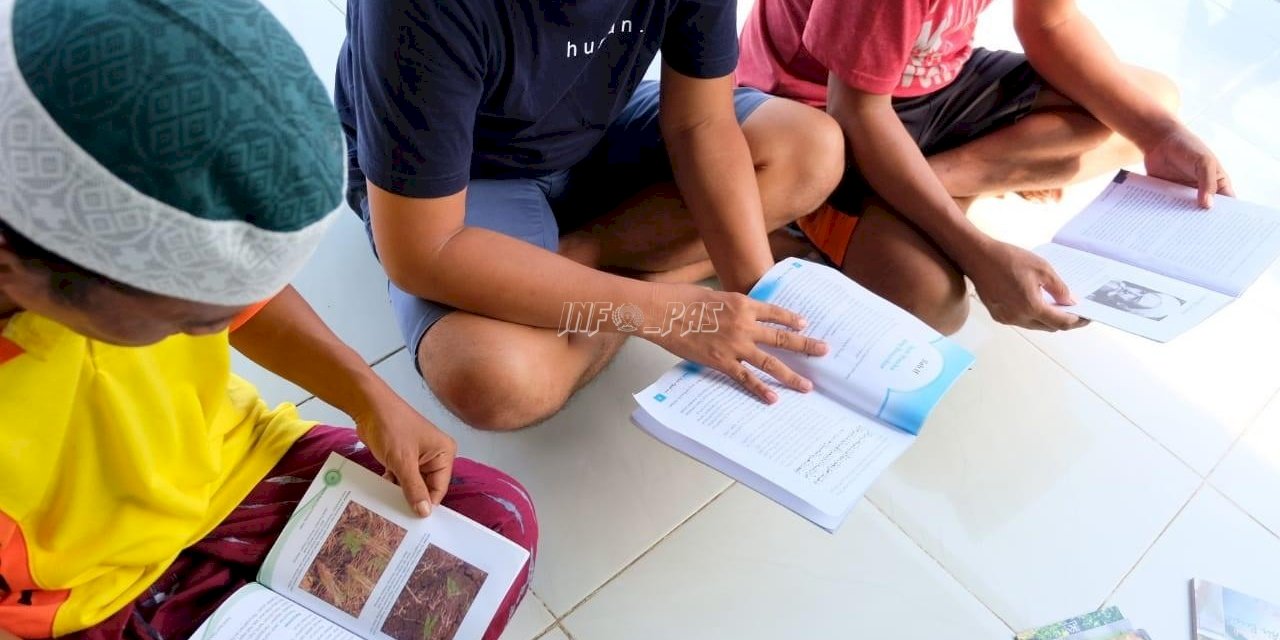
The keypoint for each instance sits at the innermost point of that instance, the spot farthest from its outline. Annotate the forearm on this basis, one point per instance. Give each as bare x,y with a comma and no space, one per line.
714,170
287,338
1066,49
494,275
894,166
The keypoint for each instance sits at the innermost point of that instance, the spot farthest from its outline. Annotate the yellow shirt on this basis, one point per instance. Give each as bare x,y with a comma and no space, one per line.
112,461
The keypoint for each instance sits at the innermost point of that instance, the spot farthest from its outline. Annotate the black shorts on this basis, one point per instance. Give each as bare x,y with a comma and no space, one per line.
994,89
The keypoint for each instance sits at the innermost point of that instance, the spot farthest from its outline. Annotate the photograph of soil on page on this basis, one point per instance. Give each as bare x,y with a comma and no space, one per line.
436,599
352,559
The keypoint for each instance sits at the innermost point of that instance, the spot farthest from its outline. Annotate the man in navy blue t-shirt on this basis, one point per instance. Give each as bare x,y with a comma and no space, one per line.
519,180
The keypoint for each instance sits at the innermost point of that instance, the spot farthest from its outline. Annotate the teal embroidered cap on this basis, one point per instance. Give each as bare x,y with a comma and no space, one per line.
183,147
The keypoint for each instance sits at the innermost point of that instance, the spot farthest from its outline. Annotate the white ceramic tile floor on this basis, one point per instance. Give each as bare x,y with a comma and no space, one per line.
531,620
746,570
1063,473
1211,539
1017,483
555,634
1250,474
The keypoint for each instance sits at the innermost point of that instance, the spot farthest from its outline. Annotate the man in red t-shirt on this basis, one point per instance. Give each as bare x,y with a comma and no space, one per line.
933,123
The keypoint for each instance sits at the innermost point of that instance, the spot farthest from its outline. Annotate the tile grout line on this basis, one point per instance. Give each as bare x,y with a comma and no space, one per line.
1222,494
560,619
1134,567
939,564
543,603
565,631
1205,485
1098,394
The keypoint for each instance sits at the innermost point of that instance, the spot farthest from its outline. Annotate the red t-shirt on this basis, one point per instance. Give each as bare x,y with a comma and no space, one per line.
906,48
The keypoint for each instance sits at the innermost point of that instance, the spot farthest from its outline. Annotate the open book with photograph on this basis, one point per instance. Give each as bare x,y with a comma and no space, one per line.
814,453
1226,614
1145,258
354,562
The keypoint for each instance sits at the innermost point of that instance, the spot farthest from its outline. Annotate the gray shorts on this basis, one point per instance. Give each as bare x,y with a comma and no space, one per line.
539,210
994,89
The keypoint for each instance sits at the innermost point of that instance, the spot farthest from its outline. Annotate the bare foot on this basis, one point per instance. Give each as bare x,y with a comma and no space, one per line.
1041,196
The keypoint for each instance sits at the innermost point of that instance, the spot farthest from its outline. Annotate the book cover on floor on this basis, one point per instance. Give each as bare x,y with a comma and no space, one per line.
1145,258
814,453
1103,624
354,562
1220,613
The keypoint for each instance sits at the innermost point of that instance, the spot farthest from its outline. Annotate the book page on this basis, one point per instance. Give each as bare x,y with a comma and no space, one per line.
255,613
1129,298
354,553
808,446
1226,614
883,361
1158,226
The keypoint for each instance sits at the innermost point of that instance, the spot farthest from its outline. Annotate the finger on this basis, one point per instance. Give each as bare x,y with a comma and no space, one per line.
1036,325
790,341
766,312
1225,186
1056,287
412,485
437,472
753,384
780,371
1208,181
1057,319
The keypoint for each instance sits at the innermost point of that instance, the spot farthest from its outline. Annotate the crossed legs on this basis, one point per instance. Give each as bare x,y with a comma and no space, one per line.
496,375
1056,145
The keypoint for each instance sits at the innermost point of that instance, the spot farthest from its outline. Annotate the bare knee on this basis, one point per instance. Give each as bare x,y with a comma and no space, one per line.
804,148
895,260
819,162
945,308
492,394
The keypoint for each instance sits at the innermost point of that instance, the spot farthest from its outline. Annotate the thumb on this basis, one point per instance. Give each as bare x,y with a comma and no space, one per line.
413,486
1057,288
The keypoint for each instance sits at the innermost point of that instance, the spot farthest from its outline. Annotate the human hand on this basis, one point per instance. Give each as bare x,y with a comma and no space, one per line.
729,332
417,454
1184,158
1009,280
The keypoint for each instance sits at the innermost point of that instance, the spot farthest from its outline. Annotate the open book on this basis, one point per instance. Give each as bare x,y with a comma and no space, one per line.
1220,613
353,562
1145,258
814,453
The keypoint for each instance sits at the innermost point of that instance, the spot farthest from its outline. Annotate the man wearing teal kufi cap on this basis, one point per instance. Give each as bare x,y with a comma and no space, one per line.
165,165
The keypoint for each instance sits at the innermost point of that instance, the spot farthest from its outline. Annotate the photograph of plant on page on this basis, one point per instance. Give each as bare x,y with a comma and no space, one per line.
436,598
352,559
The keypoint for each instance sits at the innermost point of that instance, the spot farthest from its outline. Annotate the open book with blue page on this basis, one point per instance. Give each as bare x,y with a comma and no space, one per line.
814,453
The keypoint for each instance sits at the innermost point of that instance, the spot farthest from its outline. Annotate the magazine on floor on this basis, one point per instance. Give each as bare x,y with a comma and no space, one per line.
814,453
1103,624
1145,258
354,562
1226,614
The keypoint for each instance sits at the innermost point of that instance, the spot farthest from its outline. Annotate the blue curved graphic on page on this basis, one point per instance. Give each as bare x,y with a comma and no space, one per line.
768,285
907,410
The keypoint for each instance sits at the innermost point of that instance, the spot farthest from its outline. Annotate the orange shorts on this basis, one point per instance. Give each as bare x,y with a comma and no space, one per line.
830,230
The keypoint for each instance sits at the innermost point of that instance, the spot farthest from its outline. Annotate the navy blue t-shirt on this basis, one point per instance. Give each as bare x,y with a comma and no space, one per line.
434,92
